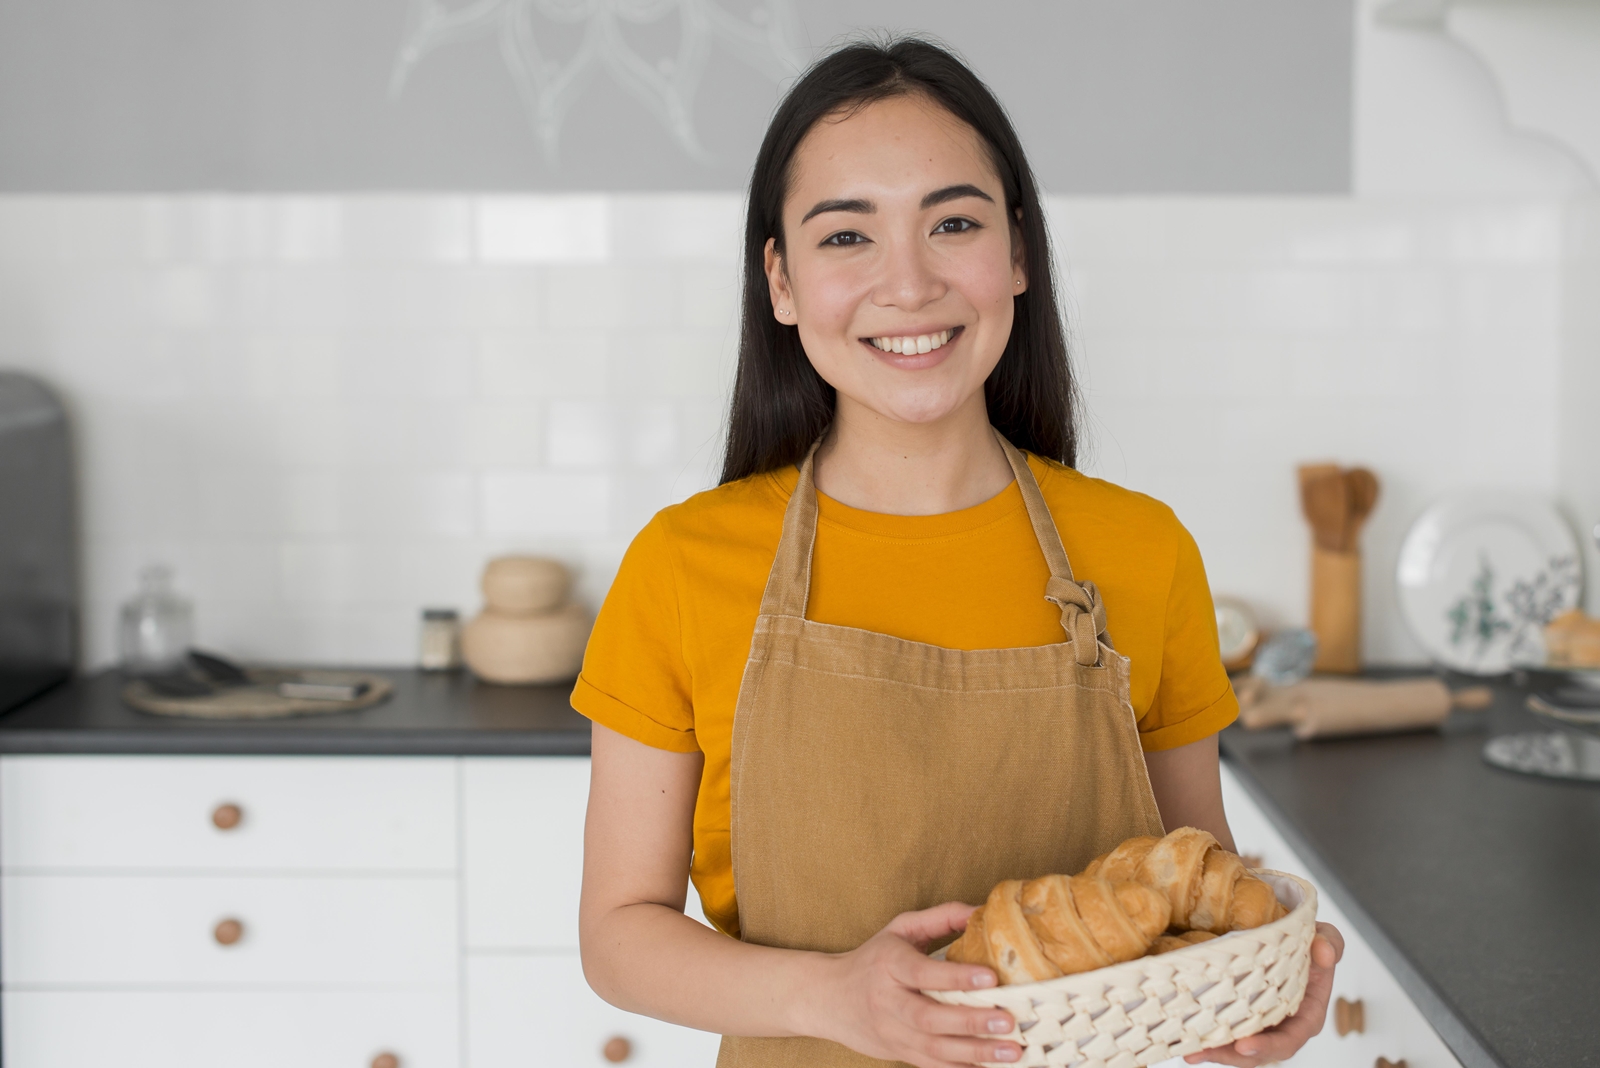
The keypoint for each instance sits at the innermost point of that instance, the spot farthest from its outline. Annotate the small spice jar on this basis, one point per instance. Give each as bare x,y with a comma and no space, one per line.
440,645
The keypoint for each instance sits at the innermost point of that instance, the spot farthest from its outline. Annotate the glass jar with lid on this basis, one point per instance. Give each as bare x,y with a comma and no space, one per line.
157,625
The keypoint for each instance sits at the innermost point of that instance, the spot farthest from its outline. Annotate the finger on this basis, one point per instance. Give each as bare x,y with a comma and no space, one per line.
967,1050
1327,949
936,1018
1313,1010
927,925
910,968
1220,1055
919,1047
1231,1056
1274,1044
1277,1043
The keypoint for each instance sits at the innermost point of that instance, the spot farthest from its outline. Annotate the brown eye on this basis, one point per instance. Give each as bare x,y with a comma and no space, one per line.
843,238
955,226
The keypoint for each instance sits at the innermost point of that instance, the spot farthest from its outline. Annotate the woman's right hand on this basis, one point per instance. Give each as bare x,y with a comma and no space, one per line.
871,999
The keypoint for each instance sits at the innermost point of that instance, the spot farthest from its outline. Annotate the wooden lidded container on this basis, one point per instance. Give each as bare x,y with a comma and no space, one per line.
529,630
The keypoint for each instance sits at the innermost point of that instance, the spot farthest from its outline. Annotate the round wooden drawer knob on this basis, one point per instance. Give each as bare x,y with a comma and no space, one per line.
386,1060
1349,1016
227,817
228,932
617,1049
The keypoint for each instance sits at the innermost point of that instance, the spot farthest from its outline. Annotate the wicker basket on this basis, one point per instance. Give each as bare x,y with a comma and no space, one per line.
1170,1005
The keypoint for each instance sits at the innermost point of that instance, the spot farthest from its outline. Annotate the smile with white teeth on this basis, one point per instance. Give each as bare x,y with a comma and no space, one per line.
909,345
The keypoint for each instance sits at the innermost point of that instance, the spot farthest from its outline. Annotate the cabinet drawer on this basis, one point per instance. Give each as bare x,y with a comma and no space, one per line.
136,812
1394,1027
105,930
527,1009
147,1029
522,850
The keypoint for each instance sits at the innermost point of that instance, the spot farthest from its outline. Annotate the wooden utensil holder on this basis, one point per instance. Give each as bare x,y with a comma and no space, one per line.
1336,610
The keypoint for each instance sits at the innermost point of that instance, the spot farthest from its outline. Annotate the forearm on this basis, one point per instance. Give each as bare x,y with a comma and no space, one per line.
654,960
1187,782
640,952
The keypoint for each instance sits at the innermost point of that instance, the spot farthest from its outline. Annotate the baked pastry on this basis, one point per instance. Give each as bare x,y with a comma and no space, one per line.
1572,640
1168,942
1207,887
1056,925
1037,929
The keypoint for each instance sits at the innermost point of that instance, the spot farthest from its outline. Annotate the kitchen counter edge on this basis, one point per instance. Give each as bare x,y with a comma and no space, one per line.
428,714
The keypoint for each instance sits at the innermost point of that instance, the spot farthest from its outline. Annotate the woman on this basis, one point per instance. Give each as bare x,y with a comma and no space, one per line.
859,683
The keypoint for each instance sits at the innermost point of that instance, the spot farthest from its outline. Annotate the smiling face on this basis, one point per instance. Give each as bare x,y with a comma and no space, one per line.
900,263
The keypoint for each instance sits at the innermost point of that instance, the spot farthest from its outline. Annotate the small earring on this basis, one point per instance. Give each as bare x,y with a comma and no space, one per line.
783,311
1019,281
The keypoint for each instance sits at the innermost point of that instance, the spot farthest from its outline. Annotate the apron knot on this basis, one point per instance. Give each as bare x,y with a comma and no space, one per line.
1083,616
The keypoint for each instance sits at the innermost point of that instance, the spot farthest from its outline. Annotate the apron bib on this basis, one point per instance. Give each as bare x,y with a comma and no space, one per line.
873,775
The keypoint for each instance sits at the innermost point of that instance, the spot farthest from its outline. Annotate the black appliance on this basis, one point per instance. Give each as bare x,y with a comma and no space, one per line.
38,542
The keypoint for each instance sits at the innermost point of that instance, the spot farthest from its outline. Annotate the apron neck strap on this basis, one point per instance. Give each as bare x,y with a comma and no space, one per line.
1083,616
1083,613
789,582
1044,527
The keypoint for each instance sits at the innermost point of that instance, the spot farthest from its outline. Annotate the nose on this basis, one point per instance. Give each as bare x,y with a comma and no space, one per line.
910,279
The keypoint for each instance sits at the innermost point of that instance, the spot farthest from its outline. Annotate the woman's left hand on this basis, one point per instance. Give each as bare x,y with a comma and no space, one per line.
1281,1042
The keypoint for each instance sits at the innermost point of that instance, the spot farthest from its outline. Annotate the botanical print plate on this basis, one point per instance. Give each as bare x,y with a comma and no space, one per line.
1481,574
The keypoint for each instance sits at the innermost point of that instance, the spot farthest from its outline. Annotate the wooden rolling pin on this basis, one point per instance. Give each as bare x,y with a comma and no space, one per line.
1327,708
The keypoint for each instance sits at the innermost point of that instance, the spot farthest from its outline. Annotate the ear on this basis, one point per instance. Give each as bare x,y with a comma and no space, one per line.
1019,258
778,284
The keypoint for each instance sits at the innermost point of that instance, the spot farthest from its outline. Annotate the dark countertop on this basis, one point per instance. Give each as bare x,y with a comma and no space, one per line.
438,714
1479,888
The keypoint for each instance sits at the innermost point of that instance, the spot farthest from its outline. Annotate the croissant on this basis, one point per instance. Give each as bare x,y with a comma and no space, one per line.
1167,943
1060,925
1207,887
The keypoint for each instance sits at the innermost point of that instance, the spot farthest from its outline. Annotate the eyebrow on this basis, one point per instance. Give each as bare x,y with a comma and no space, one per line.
858,206
866,207
953,192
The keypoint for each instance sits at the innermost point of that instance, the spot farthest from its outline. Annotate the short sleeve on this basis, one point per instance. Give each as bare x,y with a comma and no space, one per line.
635,679
1194,698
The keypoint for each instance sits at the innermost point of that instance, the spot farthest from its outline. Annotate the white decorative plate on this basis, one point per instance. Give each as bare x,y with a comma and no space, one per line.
1480,575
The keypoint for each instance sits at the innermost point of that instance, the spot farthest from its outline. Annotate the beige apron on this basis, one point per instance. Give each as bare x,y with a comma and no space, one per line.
873,775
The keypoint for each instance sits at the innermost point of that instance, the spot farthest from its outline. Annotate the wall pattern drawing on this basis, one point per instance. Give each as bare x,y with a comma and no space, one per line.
531,32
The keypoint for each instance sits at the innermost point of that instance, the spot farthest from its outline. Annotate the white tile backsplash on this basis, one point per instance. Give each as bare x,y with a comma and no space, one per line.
582,434
396,229
327,411
545,503
678,226
545,229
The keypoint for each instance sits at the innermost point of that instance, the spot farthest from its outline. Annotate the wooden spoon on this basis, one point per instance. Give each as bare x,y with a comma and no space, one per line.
1324,497
1362,490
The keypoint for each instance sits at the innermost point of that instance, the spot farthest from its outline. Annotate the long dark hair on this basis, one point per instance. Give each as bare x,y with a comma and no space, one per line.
780,404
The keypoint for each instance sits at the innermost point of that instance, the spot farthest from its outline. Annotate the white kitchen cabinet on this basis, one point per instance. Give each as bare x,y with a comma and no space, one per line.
526,1009
156,812
209,1029
526,1001
361,931
1394,1028
522,850
113,930
387,904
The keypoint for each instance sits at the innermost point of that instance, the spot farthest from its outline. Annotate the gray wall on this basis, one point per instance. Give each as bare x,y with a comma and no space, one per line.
1111,96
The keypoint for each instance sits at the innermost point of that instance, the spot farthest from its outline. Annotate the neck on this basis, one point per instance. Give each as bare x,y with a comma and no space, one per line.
884,465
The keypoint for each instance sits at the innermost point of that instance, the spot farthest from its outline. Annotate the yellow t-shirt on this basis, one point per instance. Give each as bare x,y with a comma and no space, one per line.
668,650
